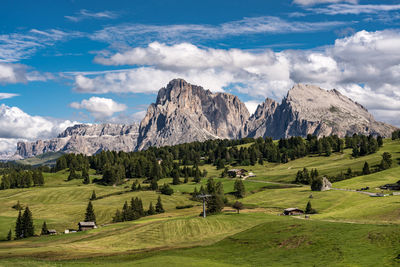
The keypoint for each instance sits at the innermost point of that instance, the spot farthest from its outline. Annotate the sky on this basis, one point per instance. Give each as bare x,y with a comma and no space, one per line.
74,61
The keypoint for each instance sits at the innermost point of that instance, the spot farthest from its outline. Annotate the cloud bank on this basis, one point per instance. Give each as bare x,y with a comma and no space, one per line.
100,108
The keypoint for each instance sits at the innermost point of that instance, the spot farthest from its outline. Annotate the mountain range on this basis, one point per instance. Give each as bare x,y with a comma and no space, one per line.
185,113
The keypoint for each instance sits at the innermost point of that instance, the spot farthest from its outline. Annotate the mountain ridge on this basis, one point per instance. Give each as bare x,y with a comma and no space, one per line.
185,113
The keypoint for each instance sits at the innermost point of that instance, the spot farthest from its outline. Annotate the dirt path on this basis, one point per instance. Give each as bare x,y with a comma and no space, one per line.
351,190
266,182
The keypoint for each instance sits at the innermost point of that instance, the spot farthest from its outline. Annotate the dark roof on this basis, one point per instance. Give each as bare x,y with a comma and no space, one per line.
87,224
293,209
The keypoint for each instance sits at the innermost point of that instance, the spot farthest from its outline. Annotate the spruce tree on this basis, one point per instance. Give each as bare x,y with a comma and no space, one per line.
159,206
18,226
154,185
93,196
85,176
45,231
9,236
27,223
309,209
118,216
240,191
89,215
366,170
151,210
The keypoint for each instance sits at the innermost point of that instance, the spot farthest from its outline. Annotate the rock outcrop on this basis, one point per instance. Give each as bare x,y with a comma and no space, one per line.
186,113
308,109
86,139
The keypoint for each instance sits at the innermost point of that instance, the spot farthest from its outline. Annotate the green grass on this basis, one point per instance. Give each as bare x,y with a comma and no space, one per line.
350,229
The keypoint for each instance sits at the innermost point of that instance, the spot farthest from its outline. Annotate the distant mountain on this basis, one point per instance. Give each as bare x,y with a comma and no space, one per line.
186,113
86,139
308,109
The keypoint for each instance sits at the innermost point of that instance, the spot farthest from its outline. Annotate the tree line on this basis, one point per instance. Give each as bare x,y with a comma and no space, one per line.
22,179
135,210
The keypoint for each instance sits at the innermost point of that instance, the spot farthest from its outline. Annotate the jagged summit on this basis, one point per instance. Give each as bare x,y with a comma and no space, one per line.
185,113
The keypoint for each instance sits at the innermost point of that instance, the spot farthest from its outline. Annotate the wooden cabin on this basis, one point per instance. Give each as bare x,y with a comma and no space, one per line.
293,211
83,226
237,172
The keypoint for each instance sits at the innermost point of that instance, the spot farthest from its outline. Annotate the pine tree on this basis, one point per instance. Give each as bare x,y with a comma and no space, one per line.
175,180
45,231
380,141
27,223
18,226
159,206
72,174
365,169
309,209
134,185
89,215
118,216
240,191
151,210
154,185
93,197
9,235
85,176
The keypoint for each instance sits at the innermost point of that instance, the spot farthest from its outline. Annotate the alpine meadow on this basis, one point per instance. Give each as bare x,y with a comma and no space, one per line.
211,133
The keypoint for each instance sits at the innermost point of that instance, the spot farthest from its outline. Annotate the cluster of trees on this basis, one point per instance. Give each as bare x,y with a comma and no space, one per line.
306,177
309,209
135,210
24,225
22,179
173,161
216,201
363,145
396,135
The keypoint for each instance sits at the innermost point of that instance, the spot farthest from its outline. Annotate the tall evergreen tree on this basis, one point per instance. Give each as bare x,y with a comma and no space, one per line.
93,196
365,169
9,235
18,226
309,209
159,206
45,231
85,176
89,215
151,210
240,191
27,223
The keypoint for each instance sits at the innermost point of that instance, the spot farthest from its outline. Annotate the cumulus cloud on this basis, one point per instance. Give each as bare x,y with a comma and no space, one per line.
316,2
17,125
85,14
343,9
98,107
12,73
364,66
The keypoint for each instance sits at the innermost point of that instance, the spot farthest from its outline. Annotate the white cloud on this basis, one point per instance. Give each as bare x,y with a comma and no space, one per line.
99,107
17,125
252,105
140,33
7,95
342,9
12,73
364,66
316,2
85,14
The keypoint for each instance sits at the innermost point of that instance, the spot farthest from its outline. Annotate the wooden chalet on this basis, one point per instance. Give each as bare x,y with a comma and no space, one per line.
83,226
293,211
237,172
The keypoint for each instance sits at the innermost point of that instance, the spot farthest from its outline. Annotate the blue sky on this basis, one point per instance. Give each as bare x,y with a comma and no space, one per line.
104,61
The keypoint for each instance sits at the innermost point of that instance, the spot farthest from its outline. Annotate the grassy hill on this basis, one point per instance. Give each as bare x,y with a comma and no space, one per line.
350,229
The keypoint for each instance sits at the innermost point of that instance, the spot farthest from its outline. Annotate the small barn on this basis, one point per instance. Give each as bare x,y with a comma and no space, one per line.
83,226
293,211
391,187
237,172
51,232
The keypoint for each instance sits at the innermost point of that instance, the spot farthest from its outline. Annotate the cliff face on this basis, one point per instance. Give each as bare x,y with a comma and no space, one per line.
86,139
308,109
186,113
